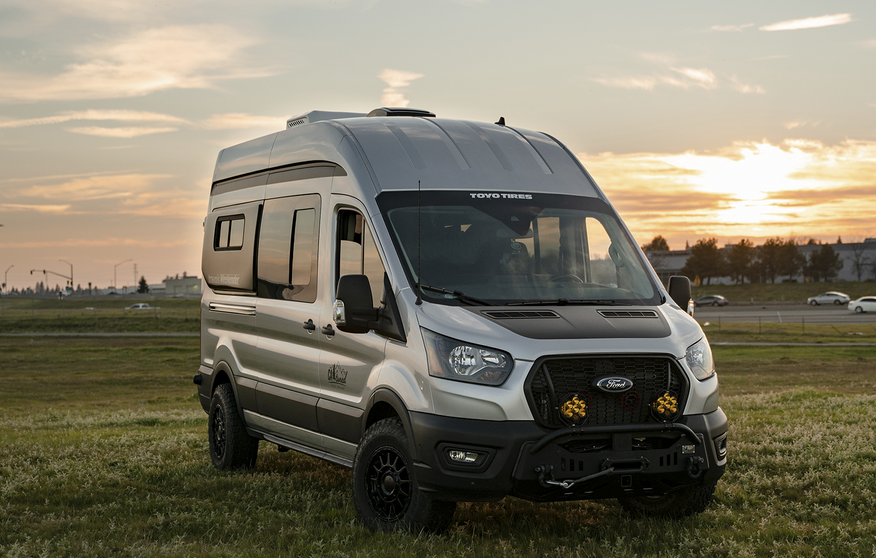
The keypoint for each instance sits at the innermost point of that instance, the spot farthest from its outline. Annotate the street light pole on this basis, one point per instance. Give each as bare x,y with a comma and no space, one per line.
71,272
6,277
115,289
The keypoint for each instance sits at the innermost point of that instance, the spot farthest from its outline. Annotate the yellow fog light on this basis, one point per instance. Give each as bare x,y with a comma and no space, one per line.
665,407
574,410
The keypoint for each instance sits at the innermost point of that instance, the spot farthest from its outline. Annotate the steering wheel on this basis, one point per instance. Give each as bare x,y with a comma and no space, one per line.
566,278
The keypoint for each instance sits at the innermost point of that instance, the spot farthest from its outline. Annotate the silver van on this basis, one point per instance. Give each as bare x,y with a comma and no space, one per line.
455,311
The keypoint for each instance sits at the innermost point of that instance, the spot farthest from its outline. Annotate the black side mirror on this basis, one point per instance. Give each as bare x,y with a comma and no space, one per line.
353,312
679,290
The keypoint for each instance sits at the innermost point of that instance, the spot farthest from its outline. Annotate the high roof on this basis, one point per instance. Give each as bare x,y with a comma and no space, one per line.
400,151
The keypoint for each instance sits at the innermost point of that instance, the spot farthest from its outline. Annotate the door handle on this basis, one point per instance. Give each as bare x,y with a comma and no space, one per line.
328,330
309,326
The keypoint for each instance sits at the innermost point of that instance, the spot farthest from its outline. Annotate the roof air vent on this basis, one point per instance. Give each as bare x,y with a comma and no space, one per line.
318,115
400,111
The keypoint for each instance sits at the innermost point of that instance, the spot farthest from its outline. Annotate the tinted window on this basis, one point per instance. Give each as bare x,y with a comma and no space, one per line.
357,252
229,233
288,243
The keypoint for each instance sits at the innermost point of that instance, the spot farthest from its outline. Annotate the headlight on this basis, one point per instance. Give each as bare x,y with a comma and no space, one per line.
699,359
458,360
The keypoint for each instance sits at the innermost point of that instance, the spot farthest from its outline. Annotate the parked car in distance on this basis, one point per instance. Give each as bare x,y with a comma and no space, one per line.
830,297
142,306
863,304
711,300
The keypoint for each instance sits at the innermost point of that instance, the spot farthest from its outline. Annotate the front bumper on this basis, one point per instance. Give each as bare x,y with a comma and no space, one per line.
522,459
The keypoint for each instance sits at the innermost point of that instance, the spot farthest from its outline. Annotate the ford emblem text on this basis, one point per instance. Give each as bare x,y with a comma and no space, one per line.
614,384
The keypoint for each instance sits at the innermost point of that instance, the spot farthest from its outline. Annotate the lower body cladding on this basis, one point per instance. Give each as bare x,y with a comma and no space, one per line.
472,460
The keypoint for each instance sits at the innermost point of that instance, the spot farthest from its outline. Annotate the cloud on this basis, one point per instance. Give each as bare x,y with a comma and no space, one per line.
396,80
743,190
732,28
122,133
240,120
34,207
90,188
175,57
809,23
118,115
672,74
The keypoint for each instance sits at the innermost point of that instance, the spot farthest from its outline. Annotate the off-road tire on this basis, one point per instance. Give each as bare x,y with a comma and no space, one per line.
681,503
230,446
385,490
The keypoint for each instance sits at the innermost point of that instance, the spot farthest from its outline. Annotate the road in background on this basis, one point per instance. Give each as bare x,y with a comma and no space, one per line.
784,313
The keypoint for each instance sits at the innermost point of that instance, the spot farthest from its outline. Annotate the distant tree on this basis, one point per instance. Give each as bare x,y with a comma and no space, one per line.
143,286
824,264
705,261
812,241
659,243
860,262
790,261
739,259
839,240
767,258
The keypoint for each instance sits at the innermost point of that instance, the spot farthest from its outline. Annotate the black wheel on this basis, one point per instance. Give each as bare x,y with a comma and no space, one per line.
859,310
385,489
687,501
230,446
813,303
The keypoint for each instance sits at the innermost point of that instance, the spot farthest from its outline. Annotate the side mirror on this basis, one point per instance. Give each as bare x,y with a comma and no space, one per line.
353,312
679,291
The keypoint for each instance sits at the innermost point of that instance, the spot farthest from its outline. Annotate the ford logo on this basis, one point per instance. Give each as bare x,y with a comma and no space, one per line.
614,384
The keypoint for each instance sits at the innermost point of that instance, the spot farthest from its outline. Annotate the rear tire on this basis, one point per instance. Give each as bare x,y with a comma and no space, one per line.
230,446
385,490
681,503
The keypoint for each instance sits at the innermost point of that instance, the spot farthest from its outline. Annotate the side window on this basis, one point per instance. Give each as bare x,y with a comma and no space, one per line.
288,244
229,233
357,253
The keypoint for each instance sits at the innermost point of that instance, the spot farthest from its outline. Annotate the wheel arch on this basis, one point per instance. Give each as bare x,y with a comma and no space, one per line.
385,403
223,374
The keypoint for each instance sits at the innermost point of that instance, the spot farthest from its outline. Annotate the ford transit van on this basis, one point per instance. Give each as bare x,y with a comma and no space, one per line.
453,310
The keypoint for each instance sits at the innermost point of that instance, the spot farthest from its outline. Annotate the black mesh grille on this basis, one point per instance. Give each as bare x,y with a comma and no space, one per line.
556,379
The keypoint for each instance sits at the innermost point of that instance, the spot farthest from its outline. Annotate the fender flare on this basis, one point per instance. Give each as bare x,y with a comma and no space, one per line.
220,369
385,396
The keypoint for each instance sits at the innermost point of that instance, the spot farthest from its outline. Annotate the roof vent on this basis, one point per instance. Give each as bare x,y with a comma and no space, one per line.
400,111
318,115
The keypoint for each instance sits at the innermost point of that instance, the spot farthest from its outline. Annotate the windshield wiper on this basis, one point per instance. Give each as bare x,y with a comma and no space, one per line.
564,302
461,296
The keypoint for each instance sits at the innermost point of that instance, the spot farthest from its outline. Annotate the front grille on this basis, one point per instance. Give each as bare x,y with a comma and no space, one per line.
557,379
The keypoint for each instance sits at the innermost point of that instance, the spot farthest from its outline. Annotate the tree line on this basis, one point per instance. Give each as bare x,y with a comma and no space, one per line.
775,260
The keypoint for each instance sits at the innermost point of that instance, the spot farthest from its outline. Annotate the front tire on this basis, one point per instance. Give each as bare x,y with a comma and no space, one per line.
681,503
859,310
813,303
230,446
385,490
837,302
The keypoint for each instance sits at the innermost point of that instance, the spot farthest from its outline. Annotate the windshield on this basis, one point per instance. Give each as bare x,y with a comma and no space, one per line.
491,248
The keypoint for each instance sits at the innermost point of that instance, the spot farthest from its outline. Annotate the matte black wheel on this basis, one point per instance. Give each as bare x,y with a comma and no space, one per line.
385,489
230,446
687,501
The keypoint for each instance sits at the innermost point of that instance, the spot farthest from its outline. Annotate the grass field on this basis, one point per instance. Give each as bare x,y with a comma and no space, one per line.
103,452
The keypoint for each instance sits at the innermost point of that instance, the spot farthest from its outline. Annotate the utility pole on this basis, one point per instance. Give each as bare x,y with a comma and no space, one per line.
115,289
6,276
71,273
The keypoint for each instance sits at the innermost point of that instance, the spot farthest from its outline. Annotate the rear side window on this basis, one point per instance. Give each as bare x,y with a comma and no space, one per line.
288,245
229,233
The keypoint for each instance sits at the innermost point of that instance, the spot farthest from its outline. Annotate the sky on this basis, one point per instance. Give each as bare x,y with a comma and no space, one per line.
698,119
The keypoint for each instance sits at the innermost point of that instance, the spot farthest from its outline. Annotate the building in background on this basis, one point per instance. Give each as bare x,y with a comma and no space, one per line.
185,285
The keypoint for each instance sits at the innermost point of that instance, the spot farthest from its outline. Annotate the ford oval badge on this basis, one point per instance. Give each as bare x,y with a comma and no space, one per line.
614,384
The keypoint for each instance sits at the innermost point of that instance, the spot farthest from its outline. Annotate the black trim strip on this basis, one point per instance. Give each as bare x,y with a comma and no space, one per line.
285,173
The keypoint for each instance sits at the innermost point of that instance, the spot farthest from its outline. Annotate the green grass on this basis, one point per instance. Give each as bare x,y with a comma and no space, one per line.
788,332
103,452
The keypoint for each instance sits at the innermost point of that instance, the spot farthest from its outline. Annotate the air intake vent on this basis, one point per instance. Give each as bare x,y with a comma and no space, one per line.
519,314
296,122
627,313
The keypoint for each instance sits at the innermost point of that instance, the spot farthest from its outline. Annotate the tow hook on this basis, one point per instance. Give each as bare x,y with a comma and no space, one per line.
695,466
546,473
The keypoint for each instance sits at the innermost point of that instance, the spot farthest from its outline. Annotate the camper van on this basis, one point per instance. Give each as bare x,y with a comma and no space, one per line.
454,311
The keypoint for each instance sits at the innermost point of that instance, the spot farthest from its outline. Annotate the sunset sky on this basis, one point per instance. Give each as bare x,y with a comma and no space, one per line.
733,120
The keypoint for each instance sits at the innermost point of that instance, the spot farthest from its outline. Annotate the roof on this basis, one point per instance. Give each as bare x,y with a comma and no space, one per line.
398,152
